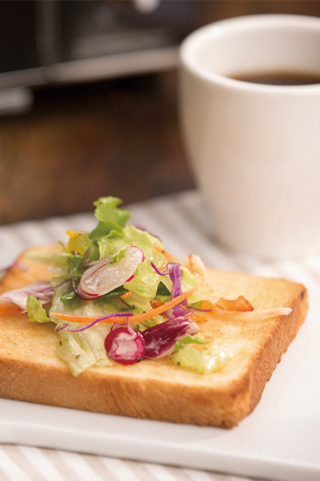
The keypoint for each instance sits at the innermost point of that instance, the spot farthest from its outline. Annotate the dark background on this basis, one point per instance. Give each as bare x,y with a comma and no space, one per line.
118,136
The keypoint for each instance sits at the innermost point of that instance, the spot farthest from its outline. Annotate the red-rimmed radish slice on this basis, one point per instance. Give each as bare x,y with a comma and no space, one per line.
125,345
106,276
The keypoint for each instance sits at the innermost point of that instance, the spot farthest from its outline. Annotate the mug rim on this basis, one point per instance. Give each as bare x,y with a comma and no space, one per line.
245,22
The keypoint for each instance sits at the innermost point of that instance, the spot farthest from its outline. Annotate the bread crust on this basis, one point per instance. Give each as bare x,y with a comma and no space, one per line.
31,371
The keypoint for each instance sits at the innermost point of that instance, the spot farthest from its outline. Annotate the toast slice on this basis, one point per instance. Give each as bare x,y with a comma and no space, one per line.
31,371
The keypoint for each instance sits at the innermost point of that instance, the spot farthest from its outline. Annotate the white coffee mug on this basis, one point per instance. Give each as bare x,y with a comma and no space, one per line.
255,148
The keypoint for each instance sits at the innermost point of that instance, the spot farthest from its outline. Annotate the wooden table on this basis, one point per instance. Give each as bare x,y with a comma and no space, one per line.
118,137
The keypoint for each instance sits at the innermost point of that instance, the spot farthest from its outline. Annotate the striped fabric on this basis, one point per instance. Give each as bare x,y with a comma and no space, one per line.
24,463
182,223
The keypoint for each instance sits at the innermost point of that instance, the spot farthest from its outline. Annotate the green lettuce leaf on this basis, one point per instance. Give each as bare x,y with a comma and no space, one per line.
107,209
111,218
117,257
142,304
145,281
82,350
36,312
189,280
146,242
111,245
106,228
187,340
208,360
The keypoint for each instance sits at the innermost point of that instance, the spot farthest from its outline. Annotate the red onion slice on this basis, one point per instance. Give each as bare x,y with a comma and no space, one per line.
176,311
104,276
160,339
41,290
65,327
125,345
175,274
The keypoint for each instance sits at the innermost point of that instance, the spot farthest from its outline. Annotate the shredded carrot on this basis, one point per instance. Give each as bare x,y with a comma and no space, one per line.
206,305
169,257
10,309
199,318
241,304
127,294
131,319
163,266
155,303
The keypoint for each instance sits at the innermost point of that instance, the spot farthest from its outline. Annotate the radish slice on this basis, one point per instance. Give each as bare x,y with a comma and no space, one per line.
124,344
105,276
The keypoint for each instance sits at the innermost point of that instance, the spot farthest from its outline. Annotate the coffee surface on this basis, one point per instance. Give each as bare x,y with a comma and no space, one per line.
279,78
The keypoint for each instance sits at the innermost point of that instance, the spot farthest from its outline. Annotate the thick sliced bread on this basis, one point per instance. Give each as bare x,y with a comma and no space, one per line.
31,371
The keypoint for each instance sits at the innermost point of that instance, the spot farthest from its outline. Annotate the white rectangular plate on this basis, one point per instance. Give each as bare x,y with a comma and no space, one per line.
279,440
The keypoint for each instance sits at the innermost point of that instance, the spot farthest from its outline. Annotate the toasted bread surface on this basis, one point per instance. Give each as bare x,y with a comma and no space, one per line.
31,371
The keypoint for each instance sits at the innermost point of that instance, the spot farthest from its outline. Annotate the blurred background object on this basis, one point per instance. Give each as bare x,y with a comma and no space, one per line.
88,98
59,41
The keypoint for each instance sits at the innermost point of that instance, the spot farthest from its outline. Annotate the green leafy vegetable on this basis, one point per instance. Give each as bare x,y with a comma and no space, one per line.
82,350
117,257
109,240
187,340
107,209
145,281
111,219
68,294
36,312
162,290
206,361
106,228
119,291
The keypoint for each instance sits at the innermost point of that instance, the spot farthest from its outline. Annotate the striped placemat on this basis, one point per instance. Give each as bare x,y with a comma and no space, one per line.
182,223
24,463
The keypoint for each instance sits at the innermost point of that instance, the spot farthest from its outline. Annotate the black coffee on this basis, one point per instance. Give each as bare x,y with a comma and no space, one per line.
279,78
